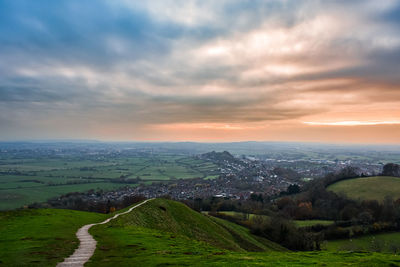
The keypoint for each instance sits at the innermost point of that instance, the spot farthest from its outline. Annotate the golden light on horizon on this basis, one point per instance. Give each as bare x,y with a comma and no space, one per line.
352,123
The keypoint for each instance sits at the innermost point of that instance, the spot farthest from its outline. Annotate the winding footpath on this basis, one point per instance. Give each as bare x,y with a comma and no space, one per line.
87,244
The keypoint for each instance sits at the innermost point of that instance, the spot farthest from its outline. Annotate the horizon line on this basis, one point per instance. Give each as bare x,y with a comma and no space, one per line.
77,140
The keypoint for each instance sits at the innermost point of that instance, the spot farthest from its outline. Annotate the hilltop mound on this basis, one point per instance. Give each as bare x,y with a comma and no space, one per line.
371,188
164,232
219,157
178,219
178,237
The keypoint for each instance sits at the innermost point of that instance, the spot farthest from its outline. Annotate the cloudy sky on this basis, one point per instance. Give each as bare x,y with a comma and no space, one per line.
178,70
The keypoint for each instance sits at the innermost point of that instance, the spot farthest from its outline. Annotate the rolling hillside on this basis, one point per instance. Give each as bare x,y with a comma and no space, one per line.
40,237
161,232
377,187
178,219
165,232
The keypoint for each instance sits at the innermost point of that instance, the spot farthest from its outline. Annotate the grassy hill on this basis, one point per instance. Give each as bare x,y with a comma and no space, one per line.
159,233
368,188
178,219
164,232
40,237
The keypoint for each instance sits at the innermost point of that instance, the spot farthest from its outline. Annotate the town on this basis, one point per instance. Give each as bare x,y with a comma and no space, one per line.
239,177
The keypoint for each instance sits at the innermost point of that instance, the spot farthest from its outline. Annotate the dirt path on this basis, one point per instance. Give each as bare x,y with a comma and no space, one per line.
87,244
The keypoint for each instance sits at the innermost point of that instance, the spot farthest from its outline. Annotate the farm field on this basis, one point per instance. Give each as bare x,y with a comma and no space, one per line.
305,223
15,198
385,242
377,188
239,214
35,179
299,223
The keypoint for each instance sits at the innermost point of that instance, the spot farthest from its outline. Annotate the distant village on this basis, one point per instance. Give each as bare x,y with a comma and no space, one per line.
239,178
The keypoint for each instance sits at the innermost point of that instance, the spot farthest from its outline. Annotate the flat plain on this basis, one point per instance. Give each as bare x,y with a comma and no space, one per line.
27,180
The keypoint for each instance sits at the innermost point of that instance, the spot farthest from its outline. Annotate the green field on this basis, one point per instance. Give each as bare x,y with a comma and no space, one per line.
178,236
15,198
305,223
386,242
239,214
28,180
40,237
377,188
299,223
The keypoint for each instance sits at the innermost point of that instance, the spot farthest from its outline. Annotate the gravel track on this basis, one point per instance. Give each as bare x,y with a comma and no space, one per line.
87,244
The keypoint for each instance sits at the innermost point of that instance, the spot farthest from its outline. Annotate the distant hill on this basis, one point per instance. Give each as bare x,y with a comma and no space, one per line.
219,156
371,188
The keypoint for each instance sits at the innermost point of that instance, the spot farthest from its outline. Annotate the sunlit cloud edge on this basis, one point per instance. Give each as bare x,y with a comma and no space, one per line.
351,123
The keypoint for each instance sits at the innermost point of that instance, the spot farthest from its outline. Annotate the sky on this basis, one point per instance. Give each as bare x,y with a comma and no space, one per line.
182,70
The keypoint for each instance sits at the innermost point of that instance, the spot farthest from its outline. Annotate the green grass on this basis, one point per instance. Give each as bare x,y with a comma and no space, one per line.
377,188
150,236
139,246
238,214
386,242
246,240
40,237
299,223
176,218
305,223
168,251
146,237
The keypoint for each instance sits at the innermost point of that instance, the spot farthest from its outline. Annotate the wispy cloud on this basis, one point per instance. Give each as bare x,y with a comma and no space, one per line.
77,68
352,123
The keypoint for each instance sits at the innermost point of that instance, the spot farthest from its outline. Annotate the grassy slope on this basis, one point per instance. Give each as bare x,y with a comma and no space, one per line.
245,239
368,188
138,246
44,237
178,219
387,242
40,237
176,232
147,237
